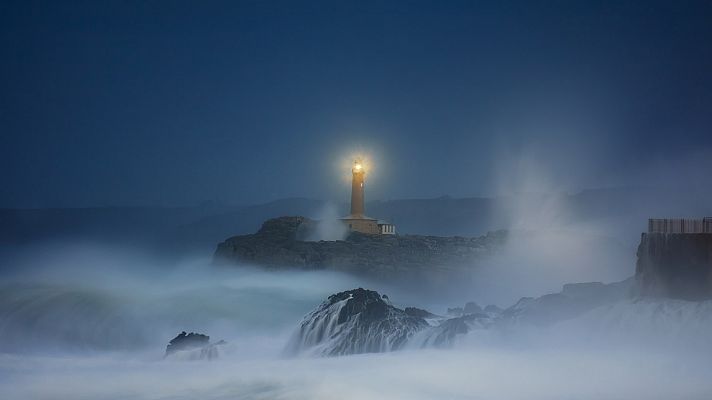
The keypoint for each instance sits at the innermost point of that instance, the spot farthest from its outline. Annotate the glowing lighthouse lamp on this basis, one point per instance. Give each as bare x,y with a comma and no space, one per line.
357,221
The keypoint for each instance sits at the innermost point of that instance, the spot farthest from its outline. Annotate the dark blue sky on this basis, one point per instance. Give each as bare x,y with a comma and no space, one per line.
144,103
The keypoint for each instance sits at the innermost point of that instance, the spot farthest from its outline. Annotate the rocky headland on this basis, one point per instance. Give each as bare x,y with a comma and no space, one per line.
280,243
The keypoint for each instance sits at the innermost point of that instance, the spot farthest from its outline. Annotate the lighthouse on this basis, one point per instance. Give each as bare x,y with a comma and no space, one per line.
357,221
357,182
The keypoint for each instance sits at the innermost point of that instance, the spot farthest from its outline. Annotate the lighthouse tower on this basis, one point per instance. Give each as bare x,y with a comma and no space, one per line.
357,221
357,189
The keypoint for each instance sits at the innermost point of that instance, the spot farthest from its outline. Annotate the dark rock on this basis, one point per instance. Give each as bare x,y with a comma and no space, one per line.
360,321
194,345
352,322
445,334
398,258
675,265
187,341
419,312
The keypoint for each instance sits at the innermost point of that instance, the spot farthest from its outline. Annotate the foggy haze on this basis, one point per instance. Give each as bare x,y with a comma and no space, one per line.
142,141
75,325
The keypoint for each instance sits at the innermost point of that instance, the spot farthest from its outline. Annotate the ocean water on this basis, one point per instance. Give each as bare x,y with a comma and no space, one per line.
88,323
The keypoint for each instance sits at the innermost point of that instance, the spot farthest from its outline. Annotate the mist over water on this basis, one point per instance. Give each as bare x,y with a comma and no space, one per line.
329,226
91,299
89,322
137,136
425,374
534,263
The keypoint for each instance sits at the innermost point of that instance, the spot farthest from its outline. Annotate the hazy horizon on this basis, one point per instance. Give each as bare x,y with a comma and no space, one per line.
343,201
518,147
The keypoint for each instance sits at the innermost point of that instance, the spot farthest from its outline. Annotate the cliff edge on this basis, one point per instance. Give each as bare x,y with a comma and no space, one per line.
675,265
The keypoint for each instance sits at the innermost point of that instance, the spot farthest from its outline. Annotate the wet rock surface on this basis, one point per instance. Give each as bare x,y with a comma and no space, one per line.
192,346
446,333
353,322
420,313
278,244
361,321
187,341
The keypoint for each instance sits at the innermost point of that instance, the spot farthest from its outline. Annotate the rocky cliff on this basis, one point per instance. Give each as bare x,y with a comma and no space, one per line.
279,244
675,265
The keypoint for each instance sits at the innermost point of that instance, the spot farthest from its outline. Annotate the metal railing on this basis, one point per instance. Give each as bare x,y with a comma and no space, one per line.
680,225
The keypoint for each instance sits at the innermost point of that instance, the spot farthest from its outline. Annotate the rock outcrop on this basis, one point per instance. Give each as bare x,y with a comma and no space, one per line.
279,244
420,313
574,300
192,346
361,321
447,331
675,265
353,322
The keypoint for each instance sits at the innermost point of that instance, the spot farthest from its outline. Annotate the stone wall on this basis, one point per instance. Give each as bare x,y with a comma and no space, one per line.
369,226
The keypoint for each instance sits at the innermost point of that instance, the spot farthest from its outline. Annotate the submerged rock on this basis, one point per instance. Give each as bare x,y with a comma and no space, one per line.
192,346
446,333
352,322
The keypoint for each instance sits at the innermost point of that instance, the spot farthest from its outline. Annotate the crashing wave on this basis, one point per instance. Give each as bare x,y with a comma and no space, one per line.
657,322
447,331
54,317
362,321
353,322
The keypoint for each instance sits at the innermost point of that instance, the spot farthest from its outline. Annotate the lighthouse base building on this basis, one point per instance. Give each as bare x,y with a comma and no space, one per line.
362,224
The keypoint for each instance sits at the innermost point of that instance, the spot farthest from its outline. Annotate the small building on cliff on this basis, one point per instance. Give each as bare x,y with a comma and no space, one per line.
357,221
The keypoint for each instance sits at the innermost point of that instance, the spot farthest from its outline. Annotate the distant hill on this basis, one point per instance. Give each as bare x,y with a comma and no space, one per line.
619,212
182,229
